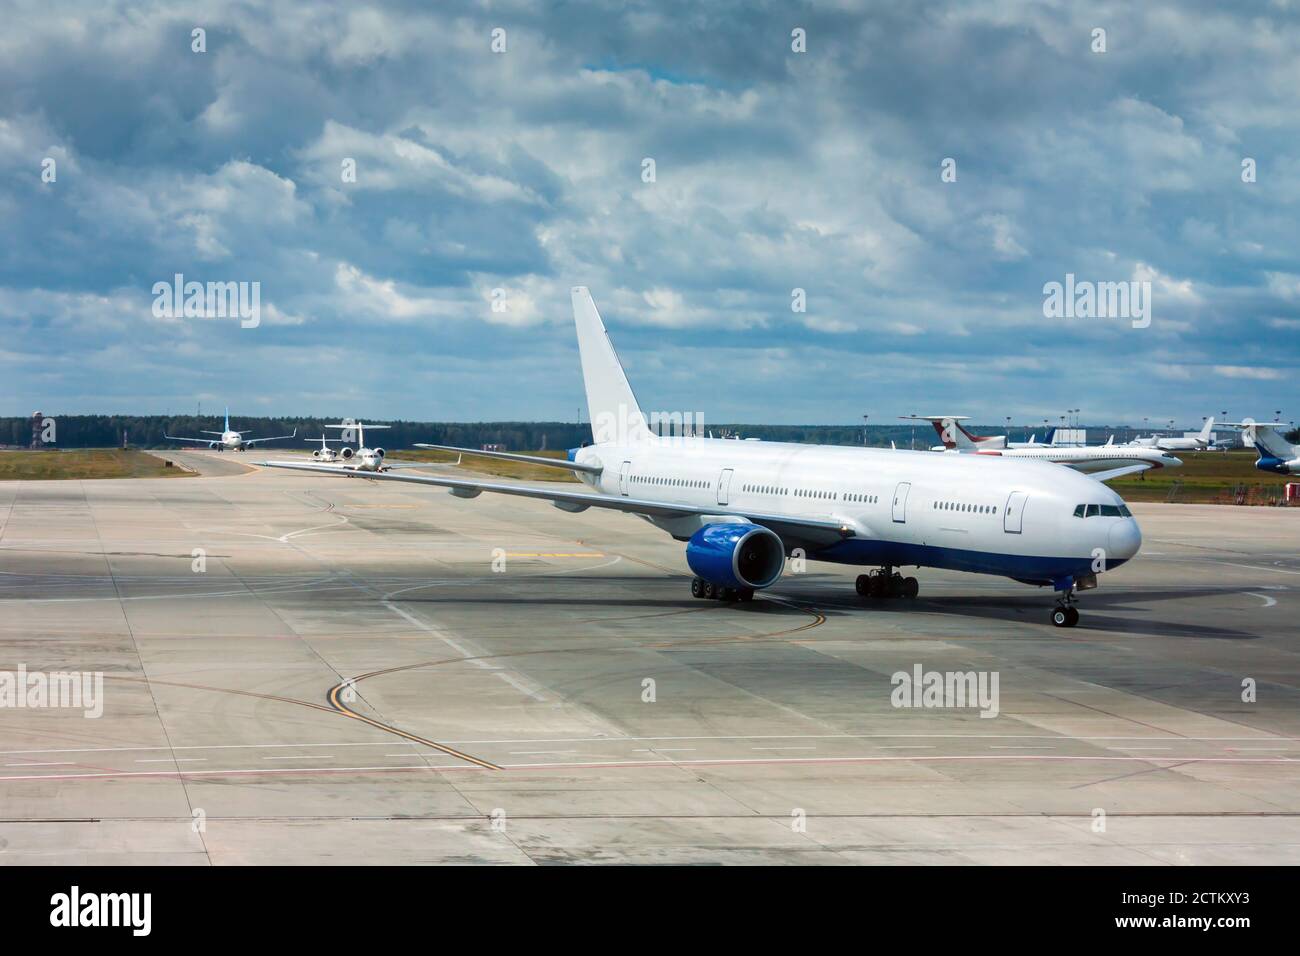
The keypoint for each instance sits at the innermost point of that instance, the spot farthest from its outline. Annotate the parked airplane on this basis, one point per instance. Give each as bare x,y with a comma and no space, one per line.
1102,462
742,506
951,432
1276,454
229,438
1198,442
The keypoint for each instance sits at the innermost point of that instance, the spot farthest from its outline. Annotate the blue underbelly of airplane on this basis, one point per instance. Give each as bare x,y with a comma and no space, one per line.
1029,568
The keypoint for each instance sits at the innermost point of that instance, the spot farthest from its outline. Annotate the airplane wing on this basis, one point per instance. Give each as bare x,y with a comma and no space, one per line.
526,459
205,441
794,531
389,463
254,441
350,466
1118,472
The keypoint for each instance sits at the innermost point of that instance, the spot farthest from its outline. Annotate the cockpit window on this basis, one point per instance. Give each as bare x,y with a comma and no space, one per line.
1104,511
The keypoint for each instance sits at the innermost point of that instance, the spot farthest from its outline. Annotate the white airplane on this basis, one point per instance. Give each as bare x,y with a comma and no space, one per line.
741,507
229,438
324,452
360,459
1198,442
1276,454
950,432
1102,462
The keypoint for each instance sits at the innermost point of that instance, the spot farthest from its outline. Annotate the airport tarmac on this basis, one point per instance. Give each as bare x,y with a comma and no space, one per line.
341,676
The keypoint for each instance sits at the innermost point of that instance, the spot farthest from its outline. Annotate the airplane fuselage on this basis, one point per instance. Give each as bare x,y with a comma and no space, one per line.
982,513
1090,459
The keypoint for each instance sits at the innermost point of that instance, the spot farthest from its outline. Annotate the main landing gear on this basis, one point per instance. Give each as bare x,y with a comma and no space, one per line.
887,583
709,591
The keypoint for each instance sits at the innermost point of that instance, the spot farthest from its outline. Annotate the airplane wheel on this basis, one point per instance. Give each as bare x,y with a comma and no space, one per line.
710,590
863,585
1061,617
726,594
911,587
1073,617
697,588
747,594
879,586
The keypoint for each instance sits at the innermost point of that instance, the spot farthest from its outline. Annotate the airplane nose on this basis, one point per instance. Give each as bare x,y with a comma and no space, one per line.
1125,539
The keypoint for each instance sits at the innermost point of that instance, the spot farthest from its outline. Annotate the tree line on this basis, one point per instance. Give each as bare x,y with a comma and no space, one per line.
148,431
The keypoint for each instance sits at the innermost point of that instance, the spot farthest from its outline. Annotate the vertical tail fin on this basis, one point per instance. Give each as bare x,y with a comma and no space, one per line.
227,418
615,414
1205,431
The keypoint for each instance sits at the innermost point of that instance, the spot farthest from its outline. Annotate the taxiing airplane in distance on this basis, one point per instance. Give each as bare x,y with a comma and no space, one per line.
324,452
1101,462
1201,441
228,439
1276,454
361,459
741,507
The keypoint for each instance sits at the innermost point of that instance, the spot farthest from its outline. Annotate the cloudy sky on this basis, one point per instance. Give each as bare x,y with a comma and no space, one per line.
774,170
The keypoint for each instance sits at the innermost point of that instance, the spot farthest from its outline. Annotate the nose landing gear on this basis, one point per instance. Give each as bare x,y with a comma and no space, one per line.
1065,614
886,583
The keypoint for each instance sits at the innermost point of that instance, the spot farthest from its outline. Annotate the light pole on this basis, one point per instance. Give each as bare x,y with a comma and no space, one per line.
864,430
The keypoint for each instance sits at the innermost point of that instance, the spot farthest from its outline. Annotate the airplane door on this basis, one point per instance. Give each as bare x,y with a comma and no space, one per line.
622,478
1013,512
724,486
900,501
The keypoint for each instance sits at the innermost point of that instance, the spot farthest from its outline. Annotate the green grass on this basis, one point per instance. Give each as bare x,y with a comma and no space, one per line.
1208,477
83,463
496,466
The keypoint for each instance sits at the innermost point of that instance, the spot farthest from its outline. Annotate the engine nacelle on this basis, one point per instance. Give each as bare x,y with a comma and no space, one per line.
736,555
1277,465
346,453
316,454
379,453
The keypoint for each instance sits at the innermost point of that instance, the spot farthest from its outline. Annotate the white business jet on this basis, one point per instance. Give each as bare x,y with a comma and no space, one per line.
1201,441
360,459
1102,462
